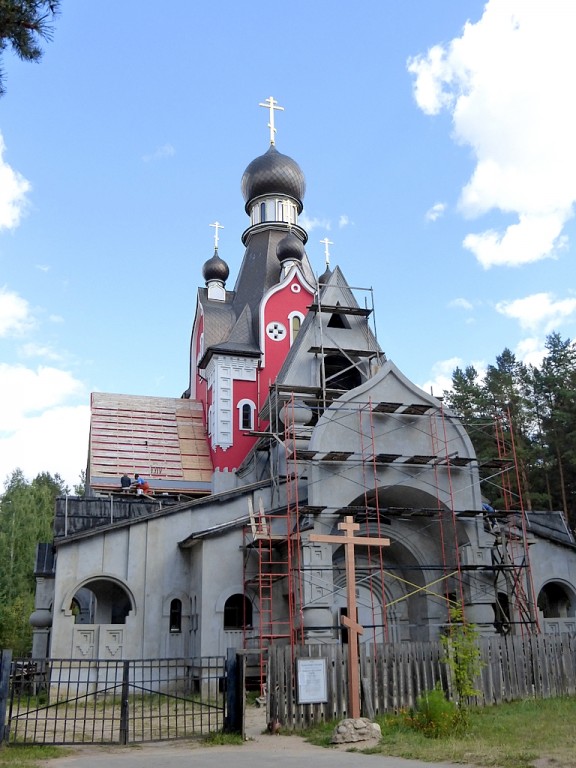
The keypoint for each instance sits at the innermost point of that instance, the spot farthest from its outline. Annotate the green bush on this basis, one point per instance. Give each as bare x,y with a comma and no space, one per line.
435,716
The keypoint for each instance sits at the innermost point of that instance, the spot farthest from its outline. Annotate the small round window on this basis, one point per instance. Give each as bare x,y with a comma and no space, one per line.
276,331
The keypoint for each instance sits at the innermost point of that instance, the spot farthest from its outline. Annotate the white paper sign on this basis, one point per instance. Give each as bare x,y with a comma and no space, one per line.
312,681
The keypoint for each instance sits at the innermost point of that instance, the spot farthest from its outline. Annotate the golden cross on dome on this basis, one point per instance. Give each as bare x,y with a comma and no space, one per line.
327,250
216,226
271,104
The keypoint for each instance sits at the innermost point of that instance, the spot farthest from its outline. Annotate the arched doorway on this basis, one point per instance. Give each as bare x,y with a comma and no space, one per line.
101,601
556,601
100,609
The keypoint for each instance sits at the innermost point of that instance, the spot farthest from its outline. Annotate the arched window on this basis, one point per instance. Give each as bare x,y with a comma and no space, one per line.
246,410
237,612
295,319
176,616
262,211
280,211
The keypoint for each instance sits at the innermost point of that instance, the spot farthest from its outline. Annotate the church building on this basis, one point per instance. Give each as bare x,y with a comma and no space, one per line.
293,420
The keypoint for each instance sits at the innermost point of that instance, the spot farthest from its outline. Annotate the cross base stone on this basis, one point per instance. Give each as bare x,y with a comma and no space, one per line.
355,729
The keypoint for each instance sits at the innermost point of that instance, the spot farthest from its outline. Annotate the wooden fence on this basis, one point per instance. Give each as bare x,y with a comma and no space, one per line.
394,675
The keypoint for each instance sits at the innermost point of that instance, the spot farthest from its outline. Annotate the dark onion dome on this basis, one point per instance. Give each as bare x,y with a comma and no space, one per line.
290,248
325,276
215,269
273,174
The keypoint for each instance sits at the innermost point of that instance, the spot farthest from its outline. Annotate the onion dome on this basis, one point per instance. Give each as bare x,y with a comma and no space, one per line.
215,269
290,248
273,174
325,276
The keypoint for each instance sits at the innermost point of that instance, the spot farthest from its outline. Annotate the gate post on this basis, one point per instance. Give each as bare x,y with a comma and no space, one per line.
235,684
124,704
5,664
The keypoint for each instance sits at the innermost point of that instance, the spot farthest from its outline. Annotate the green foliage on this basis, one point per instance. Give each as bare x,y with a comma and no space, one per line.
20,756
435,716
26,515
219,738
536,406
80,487
23,25
462,655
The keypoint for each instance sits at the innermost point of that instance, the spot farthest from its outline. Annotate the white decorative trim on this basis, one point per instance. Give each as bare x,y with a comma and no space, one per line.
291,317
296,272
193,341
276,330
240,407
295,288
222,371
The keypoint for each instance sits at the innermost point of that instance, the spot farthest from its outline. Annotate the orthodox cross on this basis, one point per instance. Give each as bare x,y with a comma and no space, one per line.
350,621
271,104
327,250
216,226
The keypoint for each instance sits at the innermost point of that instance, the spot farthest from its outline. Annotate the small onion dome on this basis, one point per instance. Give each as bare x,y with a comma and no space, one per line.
215,269
273,174
290,248
325,276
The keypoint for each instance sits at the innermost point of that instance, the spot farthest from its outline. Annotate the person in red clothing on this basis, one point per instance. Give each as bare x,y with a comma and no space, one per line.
140,485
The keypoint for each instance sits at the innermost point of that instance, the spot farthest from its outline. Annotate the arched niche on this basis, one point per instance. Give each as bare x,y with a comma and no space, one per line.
101,600
557,600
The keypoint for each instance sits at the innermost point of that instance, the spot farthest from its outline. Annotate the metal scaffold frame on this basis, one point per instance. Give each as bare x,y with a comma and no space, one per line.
274,538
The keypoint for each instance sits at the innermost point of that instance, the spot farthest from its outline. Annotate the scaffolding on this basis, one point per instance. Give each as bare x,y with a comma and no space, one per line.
274,569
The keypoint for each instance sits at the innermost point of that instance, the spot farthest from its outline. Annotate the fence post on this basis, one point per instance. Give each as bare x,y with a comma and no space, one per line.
5,664
235,683
124,706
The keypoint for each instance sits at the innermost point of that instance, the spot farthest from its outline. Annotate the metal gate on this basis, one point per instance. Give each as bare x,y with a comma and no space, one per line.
72,701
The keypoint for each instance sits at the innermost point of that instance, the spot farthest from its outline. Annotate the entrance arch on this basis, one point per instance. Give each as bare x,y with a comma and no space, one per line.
101,601
557,601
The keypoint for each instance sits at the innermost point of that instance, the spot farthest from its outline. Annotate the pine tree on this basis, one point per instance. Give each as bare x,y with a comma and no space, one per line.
23,25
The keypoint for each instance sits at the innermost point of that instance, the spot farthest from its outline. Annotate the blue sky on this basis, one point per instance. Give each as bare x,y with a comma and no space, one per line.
437,140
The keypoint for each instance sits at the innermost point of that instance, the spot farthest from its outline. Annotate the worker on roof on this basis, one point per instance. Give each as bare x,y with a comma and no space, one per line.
140,485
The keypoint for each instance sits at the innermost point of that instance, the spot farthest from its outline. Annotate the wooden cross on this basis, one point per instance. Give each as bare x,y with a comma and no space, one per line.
354,628
271,104
216,226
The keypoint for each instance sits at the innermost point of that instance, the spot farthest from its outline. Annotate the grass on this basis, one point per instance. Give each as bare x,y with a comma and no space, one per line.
16,756
219,738
522,734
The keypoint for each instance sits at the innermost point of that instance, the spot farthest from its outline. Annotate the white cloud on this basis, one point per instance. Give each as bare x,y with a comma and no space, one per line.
15,315
55,441
435,212
441,376
540,311
461,303
38,350
343,221
41,427
309,224
13,190
531,351
506,81
166,150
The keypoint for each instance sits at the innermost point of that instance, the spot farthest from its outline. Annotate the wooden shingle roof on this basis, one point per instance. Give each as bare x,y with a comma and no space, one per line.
161,438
